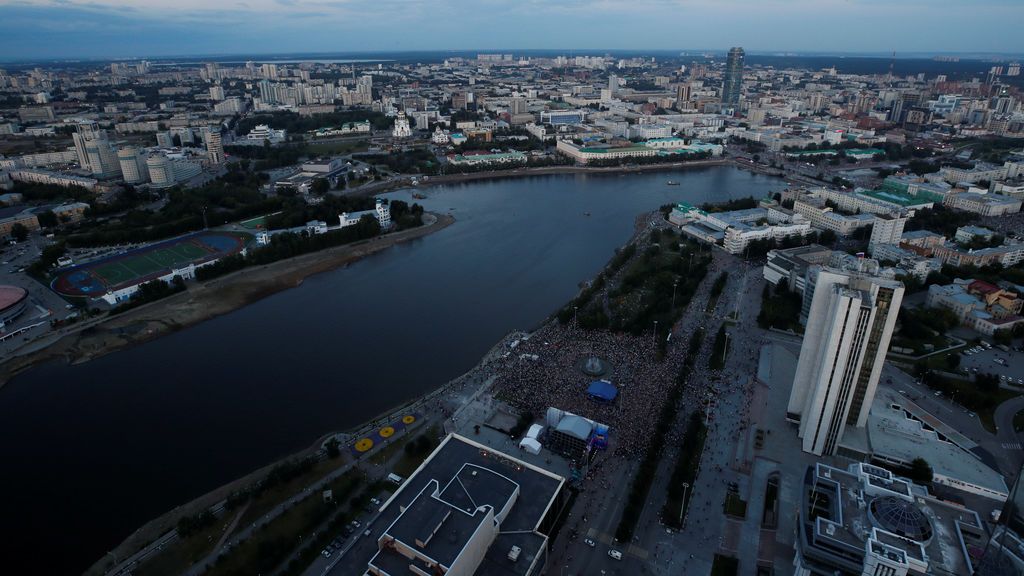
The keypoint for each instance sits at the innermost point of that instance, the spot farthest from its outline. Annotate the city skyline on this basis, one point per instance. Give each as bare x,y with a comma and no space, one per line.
53,29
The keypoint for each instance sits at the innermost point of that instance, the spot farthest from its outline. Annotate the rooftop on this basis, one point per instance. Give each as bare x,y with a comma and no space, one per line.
900,430
450,499
842,511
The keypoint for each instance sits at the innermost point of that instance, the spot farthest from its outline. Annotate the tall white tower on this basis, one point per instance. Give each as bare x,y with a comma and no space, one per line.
850,322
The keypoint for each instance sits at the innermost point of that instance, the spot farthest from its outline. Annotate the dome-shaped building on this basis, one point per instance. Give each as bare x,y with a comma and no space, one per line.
13,300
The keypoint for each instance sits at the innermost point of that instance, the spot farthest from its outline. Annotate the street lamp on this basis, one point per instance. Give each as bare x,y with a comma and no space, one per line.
654,337
575,322
674,284
686,486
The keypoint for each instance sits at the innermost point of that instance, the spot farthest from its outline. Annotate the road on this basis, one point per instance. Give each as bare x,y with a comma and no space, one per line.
655,549
43,305
1004,447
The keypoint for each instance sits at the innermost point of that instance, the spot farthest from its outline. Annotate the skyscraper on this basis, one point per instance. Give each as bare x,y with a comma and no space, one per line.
682,95
732,85
850,320
133,165
95,152
214,145
517,106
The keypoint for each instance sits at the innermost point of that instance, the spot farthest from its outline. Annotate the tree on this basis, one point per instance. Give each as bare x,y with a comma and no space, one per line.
921,471
953,361
47,219
19,232
333,450
826,237
320,186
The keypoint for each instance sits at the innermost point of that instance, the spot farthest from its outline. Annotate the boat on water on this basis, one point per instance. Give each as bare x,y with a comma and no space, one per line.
586,213
419,196
672,183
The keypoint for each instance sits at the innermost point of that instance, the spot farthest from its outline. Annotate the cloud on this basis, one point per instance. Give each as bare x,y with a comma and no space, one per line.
114,28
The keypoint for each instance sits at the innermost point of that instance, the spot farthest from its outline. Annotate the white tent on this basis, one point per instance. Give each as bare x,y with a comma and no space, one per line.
530,445
535,431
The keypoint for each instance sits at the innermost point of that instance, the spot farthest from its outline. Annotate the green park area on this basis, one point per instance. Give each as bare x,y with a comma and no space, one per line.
644,287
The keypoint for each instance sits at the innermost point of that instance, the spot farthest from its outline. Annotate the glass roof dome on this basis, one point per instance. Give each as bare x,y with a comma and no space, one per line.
900,517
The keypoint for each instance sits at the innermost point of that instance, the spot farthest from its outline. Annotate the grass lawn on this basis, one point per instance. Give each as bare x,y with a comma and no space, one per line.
409,462
987,416
178,556
274,496
271,545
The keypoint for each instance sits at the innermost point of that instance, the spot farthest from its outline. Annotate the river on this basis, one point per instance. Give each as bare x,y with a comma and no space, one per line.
92,451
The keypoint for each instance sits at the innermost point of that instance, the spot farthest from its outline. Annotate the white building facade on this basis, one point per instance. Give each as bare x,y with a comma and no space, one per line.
850,322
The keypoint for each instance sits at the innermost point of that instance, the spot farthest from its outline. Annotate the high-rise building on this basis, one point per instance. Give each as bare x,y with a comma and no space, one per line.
216,93
161,173
214,145
212,71
517,106
133,165
267,94
732,85
365,85
682,94
95,152
887,229
460,100
850,320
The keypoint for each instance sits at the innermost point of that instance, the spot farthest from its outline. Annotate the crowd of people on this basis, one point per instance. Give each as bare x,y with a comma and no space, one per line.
557,379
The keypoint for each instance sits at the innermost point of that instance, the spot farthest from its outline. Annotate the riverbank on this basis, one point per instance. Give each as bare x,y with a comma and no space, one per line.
406,181
444,404
454,395
202,301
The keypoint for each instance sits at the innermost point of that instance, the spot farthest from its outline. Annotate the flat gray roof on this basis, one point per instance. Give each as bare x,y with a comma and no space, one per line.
449,472
899,429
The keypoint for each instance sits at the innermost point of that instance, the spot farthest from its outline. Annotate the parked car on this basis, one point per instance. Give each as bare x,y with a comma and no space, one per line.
589,542
615,554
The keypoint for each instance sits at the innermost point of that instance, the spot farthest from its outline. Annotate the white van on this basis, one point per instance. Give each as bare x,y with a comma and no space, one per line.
396,478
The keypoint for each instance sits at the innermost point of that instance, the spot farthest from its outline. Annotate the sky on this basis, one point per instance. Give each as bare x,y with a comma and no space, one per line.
38,29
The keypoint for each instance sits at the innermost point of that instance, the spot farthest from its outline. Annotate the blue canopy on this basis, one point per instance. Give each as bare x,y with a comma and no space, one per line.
602,390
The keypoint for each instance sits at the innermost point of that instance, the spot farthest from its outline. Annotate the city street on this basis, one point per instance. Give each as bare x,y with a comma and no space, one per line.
656,549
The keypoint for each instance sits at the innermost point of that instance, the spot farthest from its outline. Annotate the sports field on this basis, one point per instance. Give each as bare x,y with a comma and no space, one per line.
144,264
